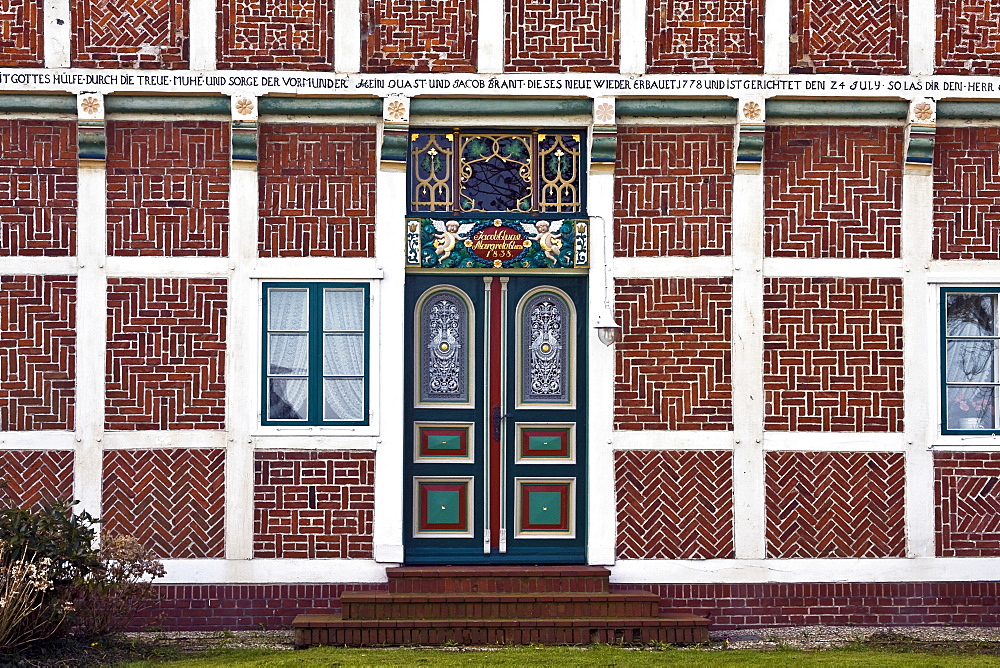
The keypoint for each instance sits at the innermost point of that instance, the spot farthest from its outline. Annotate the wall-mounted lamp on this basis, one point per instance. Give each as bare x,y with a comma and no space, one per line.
608,329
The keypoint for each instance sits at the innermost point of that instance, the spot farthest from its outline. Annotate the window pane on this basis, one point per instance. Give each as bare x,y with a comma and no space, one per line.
971,361
971,407
545,363
343,399
444,349
343,355
344,310
287,399
971,314
288,310
288,354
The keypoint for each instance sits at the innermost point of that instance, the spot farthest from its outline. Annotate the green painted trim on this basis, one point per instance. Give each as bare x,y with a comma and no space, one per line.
751,147
167,104
60,104
873,109
91,140
395,146
244,141
972,110
320,106
467,107
920,149
670,107
604,148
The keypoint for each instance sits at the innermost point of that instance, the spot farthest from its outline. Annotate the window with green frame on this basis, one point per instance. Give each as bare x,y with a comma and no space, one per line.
969,361
315,354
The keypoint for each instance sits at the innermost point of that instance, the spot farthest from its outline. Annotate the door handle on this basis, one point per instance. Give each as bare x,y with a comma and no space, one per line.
497,417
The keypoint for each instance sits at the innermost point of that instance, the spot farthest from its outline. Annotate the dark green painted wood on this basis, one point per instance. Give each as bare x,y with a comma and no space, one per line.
59,104
670,107
167,104
873,109
466,107
320,106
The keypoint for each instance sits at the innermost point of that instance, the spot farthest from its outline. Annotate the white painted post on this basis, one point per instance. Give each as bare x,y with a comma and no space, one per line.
491,36
923,36
632,33
202,19
347,36
777,31
58,27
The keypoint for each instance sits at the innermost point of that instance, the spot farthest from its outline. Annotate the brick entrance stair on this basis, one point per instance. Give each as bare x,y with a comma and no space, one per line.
486,605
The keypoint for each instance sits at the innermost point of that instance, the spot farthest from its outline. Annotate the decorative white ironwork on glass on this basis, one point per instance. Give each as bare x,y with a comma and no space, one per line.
545,350
444,351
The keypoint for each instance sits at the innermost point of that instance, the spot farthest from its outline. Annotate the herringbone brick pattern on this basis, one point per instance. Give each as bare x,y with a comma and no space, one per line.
317,189
968,37
132,33
21,43
705,36
313,505
849,36
561,36
674,360
172,500
967,193
967,500
266,34
833,354
168,187
38,184
674,504
419,35
673,191
33,478
37,352
835,504
833,191
166,353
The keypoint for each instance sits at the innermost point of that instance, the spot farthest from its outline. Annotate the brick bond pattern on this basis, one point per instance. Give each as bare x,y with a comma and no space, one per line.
171,500
37,352
674,360
968,37
168,188
419,35
967,500
673,191
833,354
313,505
166,354
705,36
38,186
143,33
674,504
848,36
833,191
317,190
967,194
35,477
561,36
275,35
21,42
835,504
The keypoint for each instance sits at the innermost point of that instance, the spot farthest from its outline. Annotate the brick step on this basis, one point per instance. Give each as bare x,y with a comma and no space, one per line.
359,605
497,579
675,628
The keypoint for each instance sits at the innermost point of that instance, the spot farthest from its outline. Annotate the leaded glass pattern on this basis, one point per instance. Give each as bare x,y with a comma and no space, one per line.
444,349
431,172
545,350
971,379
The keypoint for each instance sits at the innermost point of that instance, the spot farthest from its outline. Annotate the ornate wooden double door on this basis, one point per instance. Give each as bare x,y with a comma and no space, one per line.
496,403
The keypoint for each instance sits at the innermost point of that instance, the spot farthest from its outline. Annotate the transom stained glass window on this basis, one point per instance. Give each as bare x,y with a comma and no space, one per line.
969,360
495,172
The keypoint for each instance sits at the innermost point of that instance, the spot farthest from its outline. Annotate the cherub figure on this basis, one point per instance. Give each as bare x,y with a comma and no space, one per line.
445,242
550,242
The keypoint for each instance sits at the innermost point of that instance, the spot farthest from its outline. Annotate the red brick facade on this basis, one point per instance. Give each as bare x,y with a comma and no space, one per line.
142,33
833,191
674,360
967,501
33,478
258,34
419,35
849,36
673,191
37,352
21,39
674,504
833,354
172,500
313,505
166,353
968,38
317,190
168,187
835,504
561,36
38,186
967,193
720,36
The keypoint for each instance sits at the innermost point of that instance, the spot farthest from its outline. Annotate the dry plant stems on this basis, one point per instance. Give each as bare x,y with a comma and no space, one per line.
27,612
